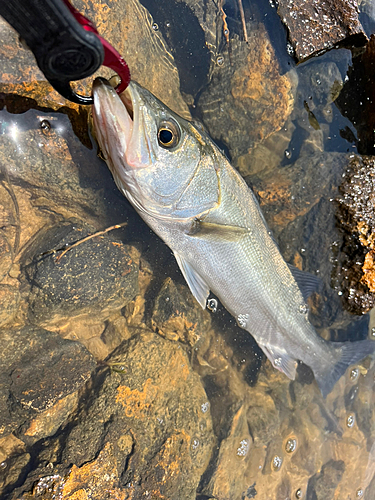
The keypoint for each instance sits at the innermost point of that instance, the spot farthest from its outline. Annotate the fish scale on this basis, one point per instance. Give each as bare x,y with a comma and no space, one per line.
200,206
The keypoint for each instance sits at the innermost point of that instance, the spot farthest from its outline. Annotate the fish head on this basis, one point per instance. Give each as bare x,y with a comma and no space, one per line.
162,163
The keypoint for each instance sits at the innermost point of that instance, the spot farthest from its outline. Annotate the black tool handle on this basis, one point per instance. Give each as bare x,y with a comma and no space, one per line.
63,49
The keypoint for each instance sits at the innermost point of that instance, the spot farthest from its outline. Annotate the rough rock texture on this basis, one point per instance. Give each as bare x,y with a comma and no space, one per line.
97,274
144,427
39,369
317,26
178,316
356,212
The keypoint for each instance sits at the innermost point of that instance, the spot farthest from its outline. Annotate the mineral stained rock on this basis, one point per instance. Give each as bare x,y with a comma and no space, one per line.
39,368
320,25
144,427
127,25
178,316
356,215
243,90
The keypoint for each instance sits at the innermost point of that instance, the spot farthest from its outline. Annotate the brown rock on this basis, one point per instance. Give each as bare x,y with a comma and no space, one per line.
356,215
178,316
127,25
317,26
242,93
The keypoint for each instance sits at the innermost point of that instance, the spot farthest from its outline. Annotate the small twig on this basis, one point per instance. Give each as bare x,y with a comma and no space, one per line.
243,20
86,238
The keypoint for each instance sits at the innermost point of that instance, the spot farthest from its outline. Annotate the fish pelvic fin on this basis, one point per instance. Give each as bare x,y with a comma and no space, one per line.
347,354
281,360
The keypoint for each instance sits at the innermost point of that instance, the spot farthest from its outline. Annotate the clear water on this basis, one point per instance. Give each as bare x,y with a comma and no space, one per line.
274,439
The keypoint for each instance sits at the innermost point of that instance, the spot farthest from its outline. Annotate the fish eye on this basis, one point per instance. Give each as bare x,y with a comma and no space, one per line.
168,134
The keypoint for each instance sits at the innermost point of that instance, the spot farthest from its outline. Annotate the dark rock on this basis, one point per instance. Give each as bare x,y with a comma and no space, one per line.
97,274
38,369
317,26
357,98
322,486
178,316
356,216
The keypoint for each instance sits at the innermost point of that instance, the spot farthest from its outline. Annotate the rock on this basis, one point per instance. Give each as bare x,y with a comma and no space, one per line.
139,429
127,25
356,211
323,485
96,275
242,91
357,99
9,301
178,316
318,26
39,368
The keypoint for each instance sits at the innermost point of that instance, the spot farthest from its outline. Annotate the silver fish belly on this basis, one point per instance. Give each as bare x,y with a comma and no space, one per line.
188,193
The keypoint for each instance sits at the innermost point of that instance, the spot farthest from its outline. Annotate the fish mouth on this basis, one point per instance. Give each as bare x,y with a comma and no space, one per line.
113,116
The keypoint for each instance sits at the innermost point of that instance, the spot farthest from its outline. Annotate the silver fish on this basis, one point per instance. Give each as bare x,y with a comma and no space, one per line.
187,192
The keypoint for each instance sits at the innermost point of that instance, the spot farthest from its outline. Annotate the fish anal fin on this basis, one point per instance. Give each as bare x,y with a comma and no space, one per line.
281,360
196,284
308,283
213,230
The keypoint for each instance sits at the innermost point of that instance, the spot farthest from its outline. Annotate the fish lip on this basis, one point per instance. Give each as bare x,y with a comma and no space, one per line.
127,96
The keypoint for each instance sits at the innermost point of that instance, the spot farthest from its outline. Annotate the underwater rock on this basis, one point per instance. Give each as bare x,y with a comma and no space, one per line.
178,316
95,275
319,25
141,428
323,485
9,301
243,91
39,368
357,99
356,216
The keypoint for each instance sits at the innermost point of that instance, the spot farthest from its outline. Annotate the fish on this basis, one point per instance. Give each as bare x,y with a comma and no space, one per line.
185,189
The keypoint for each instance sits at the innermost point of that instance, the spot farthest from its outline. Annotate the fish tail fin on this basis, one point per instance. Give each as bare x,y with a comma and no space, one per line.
346,354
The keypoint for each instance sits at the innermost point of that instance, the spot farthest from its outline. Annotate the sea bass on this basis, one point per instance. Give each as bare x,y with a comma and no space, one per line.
185,189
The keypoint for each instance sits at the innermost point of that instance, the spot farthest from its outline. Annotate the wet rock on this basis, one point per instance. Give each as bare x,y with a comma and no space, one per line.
127,25
97,274
323,485
356,219
178,316
357,99
39,368
315,27
9,301
242,91
140,429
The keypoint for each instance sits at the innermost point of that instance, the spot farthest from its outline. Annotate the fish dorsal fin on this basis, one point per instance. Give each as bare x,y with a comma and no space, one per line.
308,283
196,284
213,230
281,360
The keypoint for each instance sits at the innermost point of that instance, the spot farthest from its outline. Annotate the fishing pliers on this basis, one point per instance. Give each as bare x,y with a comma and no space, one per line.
66,45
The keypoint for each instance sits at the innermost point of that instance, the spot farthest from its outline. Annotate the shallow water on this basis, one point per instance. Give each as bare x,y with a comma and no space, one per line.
114,383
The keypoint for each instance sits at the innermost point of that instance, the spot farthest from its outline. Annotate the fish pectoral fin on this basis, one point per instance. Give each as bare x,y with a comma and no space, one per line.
213,230
196,284
281,360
